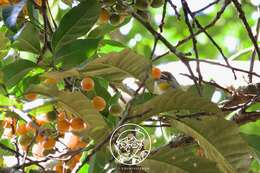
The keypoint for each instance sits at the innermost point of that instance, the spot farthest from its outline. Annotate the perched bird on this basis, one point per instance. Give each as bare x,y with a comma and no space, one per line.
166,81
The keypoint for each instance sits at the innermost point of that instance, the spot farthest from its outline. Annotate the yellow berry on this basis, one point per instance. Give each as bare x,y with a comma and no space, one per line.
77,124
87,84
49,143
63,125
31,96
99,103
156,73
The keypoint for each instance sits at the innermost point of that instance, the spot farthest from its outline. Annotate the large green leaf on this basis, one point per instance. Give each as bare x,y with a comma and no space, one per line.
254,143
28,39
117,66
78,105
99,160
179,160
15,71
77,22
76,52
220,140
175,100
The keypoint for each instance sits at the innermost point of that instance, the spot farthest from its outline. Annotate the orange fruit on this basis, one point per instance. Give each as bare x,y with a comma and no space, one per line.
4,2
21,129
99,103
31,96
51,81
156,73
103,16
49,143
30,128
40,138
38,2
8,122
63,125
71,140
87,84
77,124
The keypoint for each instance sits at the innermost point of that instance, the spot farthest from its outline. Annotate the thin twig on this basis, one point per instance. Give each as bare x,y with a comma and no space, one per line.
206,7
224,65
246,24
179,54
252,61
194,41
174,7
212,23
208,35
212,83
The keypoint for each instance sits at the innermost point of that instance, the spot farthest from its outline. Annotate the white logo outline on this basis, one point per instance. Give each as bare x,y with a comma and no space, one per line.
141,131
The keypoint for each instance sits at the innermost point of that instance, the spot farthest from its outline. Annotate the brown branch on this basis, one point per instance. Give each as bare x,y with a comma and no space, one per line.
252,61
246,117
206,7
212,83
223,65
208,35
246,24
212,23
174,7
194,41
179,54
160,56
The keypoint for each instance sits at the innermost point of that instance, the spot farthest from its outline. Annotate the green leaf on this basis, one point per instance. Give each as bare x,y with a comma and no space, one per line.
77,22
254,143
61,75
28,39
220,140
175,100
84,169
7,143
110,46
179,160
101,30
207,91
78,105
76,52
115,67
15,71
4,41
99,160
5,101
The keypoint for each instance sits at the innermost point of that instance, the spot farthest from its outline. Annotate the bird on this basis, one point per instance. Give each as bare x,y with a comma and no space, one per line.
166,81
